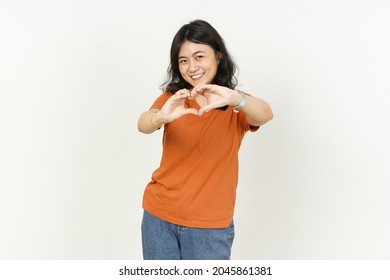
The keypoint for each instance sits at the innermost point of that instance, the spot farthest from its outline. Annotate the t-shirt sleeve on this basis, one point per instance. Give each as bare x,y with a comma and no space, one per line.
160,101
244,123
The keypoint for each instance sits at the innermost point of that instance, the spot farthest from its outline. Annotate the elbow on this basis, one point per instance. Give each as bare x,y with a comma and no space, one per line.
270,115
143,130
260,114
141,127
265,117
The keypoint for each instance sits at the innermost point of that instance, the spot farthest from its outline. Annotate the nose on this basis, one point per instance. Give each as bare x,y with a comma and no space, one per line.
193,66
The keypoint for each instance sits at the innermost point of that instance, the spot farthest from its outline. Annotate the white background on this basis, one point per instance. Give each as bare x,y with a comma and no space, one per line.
75,76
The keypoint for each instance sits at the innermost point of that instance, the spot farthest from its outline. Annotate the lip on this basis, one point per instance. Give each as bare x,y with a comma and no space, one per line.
197,76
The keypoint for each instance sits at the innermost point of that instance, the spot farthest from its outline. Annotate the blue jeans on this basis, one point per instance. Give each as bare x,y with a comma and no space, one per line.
165,241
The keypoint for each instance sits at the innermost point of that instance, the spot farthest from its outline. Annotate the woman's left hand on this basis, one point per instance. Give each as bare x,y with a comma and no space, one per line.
217,96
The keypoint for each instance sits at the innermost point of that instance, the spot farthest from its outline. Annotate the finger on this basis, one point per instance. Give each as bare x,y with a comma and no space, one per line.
193,93
182,91
190,111
202,87
206,108
182,94
199,89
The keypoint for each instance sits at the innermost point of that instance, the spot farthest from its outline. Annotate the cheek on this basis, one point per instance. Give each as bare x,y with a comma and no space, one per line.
182,74
182,70
214,70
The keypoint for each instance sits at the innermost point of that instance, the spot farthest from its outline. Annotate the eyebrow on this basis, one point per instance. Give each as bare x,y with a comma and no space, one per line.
195,53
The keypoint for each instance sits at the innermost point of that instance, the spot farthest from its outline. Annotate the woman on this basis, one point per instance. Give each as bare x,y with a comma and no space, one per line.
189,203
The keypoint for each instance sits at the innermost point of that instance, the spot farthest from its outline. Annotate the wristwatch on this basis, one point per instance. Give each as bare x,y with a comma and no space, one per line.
242,102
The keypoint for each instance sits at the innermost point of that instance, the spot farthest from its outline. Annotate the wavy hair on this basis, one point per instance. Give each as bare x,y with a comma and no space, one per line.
200,32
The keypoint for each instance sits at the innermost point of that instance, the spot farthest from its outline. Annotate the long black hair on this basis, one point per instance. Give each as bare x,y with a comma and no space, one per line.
200,32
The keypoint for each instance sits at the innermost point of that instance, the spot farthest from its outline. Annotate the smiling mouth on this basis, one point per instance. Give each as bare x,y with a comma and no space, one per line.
197,76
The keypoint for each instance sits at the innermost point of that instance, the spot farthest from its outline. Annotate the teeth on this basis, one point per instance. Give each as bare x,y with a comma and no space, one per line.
195,77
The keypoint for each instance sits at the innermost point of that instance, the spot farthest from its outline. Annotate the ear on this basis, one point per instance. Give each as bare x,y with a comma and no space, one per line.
219,56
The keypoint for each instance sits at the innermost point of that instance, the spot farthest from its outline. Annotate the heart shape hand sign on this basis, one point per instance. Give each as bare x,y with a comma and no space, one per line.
207,96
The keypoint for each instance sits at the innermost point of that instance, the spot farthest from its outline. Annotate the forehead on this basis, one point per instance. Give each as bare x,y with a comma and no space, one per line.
189,48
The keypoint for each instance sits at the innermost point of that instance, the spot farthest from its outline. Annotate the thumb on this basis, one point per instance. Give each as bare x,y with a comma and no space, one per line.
205,109
190,111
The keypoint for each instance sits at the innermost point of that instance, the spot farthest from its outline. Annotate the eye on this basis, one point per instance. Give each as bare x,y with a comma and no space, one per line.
199,57
182,61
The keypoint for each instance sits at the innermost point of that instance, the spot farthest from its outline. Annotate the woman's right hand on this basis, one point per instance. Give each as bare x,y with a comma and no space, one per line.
175,107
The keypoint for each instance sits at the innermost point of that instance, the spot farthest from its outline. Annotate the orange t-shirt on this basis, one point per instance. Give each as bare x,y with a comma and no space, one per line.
196,182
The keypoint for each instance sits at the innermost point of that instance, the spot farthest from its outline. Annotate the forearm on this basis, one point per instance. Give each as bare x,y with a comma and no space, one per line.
258,111
148,122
